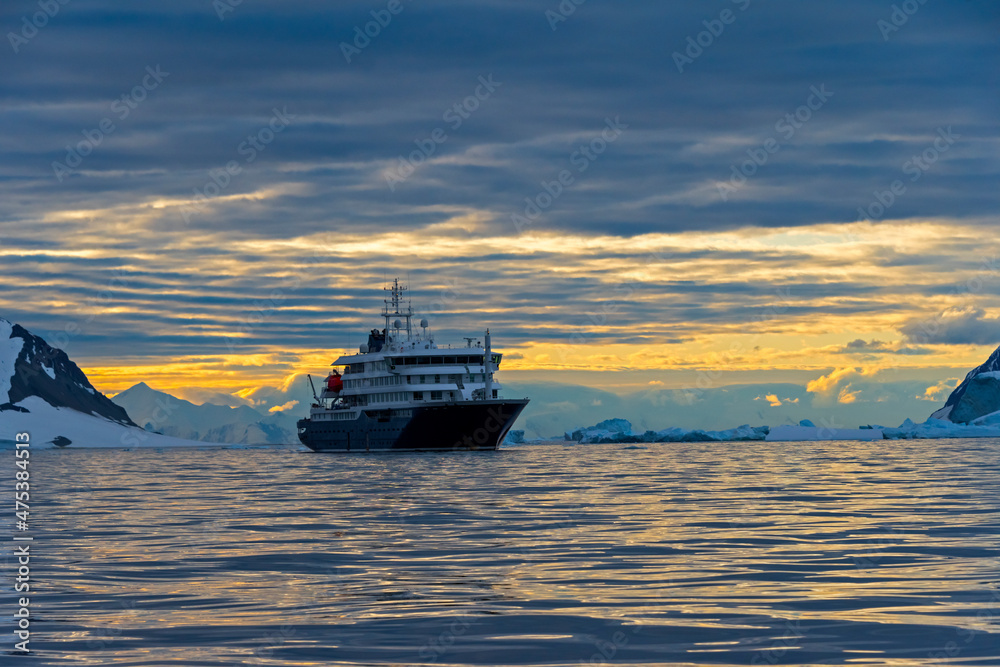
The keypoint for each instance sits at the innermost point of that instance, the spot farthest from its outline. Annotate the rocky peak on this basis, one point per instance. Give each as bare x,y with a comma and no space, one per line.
37,369
977,395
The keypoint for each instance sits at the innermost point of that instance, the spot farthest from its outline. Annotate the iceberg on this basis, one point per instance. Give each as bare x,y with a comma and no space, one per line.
943,428
620,431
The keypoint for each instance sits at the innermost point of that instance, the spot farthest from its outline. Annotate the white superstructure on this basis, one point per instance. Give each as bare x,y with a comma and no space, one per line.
400,368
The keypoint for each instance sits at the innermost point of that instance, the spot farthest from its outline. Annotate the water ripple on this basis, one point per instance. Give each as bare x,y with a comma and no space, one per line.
683,553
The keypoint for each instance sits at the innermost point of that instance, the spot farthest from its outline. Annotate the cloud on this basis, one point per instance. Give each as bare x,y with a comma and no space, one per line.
281,408
639,252
939,392
846,396
775,402
861,346
838,381
958,326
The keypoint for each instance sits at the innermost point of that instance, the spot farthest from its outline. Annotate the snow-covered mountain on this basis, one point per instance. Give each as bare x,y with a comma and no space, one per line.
977,396
43,393
30,367
162,413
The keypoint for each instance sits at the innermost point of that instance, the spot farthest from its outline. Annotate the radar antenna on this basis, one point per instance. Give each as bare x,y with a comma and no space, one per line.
393,307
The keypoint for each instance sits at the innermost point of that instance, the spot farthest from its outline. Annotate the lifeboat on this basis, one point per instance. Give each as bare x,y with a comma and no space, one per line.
334,383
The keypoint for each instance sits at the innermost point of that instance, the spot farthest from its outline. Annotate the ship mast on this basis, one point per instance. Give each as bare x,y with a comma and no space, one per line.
392,309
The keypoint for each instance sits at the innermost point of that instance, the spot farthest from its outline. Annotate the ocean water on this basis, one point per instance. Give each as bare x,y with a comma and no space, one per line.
830,553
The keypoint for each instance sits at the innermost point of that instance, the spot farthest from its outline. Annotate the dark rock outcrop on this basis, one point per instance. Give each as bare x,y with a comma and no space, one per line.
44,371
976,396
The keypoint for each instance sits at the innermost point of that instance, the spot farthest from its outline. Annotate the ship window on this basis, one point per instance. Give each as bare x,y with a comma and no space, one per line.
437,379
436,360
418,395
449,360
494,393
435,395
424,361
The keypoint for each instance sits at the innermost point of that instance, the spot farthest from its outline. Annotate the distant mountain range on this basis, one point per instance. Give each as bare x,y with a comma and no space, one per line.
43,391
162,413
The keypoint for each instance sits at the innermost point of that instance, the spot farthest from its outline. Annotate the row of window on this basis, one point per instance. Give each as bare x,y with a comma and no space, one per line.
435,396
390,397
438,361
401,396
436,379
337,416
388,381
395,380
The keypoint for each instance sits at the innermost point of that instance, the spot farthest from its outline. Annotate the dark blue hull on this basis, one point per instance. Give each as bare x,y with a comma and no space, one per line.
472,425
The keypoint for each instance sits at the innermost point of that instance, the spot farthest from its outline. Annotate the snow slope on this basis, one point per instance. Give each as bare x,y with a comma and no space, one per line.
45,394
48,425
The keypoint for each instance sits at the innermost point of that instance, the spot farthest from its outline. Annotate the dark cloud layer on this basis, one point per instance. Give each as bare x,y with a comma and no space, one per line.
325,173
963,327
686,130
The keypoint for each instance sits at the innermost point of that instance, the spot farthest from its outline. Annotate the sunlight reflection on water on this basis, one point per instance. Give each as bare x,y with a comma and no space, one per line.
699,553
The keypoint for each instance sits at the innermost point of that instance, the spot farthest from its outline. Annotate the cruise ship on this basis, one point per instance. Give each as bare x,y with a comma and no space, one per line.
403,392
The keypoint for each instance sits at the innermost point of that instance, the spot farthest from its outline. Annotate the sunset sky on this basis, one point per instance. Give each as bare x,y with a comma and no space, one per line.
637,197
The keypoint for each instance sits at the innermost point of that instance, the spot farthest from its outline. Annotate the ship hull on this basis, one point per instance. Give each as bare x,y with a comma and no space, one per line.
462,426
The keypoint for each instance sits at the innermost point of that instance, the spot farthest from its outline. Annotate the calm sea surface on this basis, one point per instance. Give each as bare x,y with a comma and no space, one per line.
703,553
